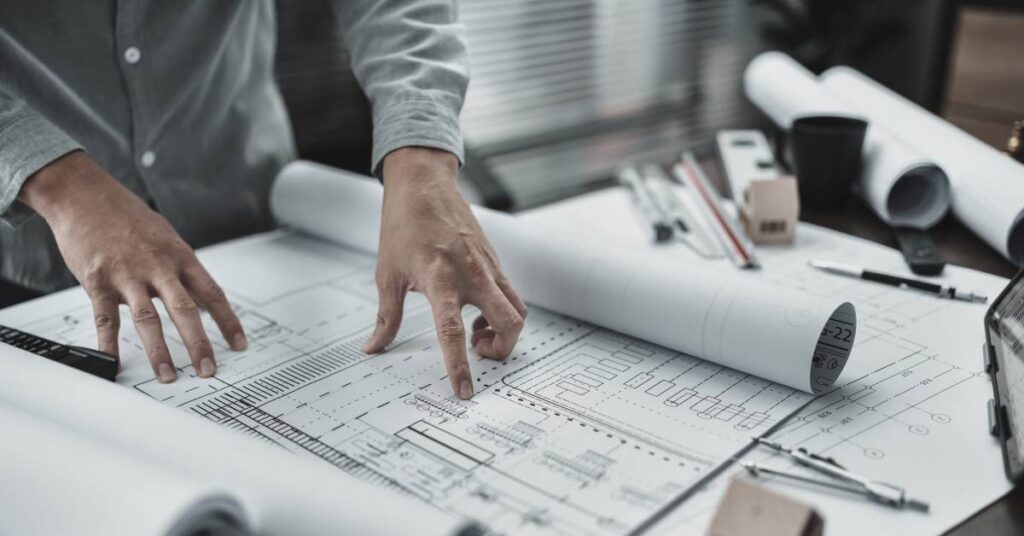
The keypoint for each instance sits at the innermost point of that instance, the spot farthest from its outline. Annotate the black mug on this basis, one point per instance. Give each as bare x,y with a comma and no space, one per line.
825,155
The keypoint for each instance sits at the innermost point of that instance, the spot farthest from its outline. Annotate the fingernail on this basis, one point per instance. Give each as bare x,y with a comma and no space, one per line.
238,342
207,368
369,346
167,374
465,390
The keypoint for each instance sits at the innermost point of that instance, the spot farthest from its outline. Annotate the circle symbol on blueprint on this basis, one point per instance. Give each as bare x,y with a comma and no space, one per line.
941,418
917,429
873,453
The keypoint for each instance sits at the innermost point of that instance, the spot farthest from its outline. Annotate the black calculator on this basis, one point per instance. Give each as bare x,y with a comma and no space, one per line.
90,361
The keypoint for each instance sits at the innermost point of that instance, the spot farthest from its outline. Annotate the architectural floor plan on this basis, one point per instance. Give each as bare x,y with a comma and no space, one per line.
911,406
580,431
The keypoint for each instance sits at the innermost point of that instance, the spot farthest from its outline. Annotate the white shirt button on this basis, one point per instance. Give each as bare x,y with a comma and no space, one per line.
148,159
132,55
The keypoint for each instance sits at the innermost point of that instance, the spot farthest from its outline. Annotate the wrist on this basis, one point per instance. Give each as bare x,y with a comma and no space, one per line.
51,190
420,164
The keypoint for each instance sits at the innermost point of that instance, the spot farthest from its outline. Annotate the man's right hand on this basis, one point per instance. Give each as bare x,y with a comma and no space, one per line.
122,252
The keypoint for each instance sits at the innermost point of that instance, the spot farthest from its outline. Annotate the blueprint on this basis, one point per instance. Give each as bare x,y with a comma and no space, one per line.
580,431
911,409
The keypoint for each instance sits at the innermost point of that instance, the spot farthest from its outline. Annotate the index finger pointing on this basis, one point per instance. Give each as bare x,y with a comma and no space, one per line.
451,334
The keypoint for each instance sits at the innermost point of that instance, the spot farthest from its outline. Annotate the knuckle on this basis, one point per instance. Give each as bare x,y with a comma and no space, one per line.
474,268
458,368
165,280
103,298
232,324
94,278
106,321
157,351
211,292
441,253
145,314
184,305
450,328
200,346
514,321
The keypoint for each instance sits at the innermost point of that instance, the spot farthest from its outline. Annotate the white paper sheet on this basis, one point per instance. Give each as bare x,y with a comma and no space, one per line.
97,489
581,431
782,336
903,186
283,494
988,186
911,406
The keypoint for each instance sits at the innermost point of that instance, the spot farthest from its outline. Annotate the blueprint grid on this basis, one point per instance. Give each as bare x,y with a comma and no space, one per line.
580,431
911,406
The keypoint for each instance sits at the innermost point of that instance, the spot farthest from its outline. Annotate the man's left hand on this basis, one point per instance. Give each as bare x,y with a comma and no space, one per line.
430,242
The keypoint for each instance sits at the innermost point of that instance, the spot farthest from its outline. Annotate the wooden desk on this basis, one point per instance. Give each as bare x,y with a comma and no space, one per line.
1004,517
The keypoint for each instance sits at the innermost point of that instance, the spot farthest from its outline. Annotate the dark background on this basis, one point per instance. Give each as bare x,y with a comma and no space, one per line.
562,90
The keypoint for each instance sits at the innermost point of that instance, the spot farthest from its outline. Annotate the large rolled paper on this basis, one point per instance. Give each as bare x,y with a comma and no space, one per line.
988,186
58,482
902,185
281,492
718,315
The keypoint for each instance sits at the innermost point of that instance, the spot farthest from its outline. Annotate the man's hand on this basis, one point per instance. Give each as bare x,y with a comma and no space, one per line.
430,242
123,252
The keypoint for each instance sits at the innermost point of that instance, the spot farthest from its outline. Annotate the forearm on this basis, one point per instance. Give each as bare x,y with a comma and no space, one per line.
28,143
45,191
410,59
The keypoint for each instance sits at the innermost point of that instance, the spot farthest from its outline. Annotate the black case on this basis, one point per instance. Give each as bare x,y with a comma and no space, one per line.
998,410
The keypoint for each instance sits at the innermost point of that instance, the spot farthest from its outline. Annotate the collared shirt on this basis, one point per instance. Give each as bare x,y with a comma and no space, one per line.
177,100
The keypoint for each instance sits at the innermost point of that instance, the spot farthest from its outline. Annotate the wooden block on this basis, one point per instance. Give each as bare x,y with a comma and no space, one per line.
770,210
751,510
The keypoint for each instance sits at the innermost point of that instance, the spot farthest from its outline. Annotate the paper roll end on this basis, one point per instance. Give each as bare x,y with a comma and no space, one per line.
920,197
1015,241
832,350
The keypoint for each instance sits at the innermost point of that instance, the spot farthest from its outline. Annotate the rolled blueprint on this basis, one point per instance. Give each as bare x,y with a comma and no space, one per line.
901,184
58,482
988,186
282,493
718,315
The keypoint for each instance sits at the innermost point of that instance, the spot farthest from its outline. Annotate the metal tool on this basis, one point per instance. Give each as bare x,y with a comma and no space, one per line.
643,201
936,289
678,204
843,479
732,238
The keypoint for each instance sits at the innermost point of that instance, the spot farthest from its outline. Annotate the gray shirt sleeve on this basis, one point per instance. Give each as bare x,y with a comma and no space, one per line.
28,141
410,58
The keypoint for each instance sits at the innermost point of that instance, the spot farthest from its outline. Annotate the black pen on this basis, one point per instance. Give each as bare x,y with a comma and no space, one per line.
645,204
952,293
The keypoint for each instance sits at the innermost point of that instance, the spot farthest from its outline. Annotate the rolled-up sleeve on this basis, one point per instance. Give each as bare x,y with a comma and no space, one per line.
28,141
410,58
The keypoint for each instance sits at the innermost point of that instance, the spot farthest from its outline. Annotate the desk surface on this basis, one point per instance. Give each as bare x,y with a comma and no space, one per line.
959,246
